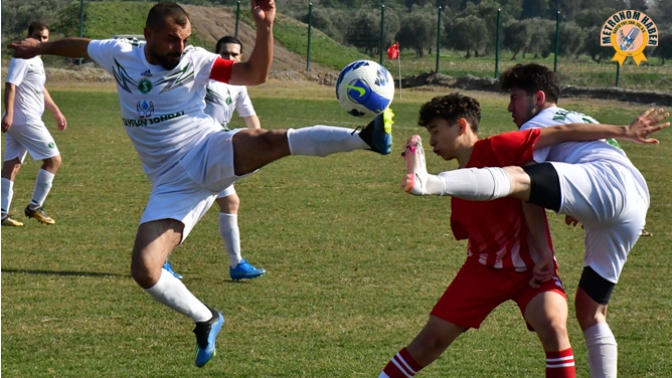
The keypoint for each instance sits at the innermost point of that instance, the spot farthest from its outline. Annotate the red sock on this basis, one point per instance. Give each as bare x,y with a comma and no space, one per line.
560,364
402,365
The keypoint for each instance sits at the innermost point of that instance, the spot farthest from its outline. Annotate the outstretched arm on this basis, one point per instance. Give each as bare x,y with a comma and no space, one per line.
53,108
255,70
66,47
638,131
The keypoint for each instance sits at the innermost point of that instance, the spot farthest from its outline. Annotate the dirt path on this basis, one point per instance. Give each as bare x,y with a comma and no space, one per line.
212,23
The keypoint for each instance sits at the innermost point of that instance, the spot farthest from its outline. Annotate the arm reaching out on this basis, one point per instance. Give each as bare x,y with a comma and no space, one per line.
255,70
638,131
66,47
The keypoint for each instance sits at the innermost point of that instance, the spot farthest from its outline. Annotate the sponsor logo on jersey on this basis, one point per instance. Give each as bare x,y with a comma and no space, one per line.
147,73
145,86
134,122
170,82
145,109
51,145
629,32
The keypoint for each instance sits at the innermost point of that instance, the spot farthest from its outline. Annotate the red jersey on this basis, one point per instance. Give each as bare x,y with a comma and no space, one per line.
497,231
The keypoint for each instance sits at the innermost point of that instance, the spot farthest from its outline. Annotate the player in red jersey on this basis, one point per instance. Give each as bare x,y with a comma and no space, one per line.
507,238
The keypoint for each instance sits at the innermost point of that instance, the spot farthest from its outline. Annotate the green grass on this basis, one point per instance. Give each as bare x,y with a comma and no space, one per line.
354,264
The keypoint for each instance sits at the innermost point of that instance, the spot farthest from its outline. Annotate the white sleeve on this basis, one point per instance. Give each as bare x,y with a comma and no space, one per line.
244,104
203,61
540,155
17,71
103,51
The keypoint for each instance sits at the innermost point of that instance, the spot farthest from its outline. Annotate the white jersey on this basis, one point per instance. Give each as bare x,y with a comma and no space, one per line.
29,78
222,99
162,110
580,152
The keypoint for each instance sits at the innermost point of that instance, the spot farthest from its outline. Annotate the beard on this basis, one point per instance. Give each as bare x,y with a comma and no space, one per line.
168,61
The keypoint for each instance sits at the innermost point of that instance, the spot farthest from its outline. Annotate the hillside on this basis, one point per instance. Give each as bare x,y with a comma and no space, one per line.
105,19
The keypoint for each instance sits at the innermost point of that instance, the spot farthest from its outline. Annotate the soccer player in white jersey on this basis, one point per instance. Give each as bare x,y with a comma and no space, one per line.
220,101
188,157
593,183
25,100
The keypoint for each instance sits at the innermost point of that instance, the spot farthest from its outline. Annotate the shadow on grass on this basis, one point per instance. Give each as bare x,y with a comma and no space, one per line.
65,273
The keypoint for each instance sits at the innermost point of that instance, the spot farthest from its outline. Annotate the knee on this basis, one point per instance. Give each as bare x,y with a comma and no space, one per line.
11,168
143,274
432,343
553,333
52,164
229,204
588,318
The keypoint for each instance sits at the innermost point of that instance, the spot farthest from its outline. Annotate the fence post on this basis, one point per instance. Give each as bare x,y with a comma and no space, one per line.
310,32
438,40
557,43
382,32
237,16
618,72
81,25
499,25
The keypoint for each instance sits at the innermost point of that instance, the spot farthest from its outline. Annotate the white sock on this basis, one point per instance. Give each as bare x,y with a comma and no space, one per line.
472,184
228,229
602,351
42,187
171,292
7,194
324,140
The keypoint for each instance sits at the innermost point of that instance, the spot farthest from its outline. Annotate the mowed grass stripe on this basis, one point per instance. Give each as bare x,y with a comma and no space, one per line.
354,264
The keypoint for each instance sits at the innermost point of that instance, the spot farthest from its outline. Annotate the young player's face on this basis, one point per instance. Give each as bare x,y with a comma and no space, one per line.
231,51
521,106
40,35
444,138
167,45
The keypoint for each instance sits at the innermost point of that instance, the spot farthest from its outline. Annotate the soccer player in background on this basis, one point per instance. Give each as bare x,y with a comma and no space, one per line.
509,244
220,101
25,100
188,157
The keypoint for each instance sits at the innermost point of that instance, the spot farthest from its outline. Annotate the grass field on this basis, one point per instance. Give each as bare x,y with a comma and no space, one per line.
354,264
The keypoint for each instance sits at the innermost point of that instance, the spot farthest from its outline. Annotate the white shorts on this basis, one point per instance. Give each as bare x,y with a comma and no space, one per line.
227,192
186,191
33,138
612,207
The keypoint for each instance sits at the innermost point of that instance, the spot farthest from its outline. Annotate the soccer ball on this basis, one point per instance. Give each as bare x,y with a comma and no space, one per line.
364,88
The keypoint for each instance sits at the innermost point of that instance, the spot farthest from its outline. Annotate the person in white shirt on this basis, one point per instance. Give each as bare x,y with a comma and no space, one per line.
25,99
220,102
186,155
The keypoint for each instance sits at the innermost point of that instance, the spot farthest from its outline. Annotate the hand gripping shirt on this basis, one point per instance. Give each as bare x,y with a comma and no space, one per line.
29,78
222,99
581,152
497,232
162,110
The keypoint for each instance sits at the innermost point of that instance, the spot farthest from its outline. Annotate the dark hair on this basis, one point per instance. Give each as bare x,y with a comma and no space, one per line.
451,107
37,26
228,39
162,12
531,78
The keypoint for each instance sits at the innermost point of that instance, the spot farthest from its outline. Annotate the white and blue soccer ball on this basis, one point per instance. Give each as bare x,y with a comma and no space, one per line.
364,88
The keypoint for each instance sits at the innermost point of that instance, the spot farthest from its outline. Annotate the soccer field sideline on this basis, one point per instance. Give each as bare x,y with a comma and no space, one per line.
342,294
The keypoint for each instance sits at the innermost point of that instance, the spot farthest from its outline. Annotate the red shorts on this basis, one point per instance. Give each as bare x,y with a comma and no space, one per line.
478,289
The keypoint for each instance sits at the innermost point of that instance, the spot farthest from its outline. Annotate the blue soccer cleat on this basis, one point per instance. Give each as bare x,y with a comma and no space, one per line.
378,133
170,270
206,333
245,270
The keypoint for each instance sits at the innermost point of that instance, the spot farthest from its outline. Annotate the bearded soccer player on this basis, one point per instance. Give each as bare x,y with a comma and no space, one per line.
25,100
592,189
221,100
187,156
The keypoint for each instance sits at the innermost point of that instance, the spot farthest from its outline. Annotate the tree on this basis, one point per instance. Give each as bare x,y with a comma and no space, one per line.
517,36
416,32
364,31
540,43
592,47
664,49
571,39
640,5
466,34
